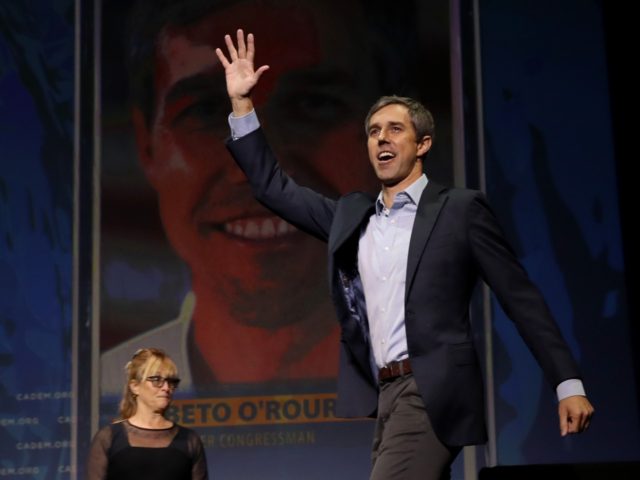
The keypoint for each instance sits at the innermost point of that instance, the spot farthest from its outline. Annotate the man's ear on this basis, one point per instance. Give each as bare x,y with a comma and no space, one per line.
143,145
424,146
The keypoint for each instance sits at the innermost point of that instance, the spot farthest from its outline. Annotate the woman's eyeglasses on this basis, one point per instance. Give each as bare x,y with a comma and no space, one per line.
158,381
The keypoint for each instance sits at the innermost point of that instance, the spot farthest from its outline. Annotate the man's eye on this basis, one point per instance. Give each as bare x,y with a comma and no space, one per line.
317,107
201,115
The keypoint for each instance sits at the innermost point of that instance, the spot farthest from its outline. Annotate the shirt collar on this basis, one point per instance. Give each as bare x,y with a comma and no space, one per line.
413,193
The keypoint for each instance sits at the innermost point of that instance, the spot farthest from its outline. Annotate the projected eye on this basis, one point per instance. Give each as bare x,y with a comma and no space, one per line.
316,107
203,114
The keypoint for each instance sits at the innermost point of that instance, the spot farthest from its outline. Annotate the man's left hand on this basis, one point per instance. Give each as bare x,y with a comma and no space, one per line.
575,414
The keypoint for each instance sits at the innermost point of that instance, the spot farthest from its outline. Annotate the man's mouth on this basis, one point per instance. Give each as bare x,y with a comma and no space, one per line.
258,228
386,156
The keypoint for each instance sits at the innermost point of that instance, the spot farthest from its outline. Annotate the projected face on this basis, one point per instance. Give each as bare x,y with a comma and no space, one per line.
251,265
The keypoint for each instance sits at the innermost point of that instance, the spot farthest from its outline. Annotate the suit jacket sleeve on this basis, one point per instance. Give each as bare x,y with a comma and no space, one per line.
304,208
519,297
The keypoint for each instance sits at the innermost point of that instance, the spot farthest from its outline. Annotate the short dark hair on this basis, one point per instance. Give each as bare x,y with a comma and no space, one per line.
421,117
147,19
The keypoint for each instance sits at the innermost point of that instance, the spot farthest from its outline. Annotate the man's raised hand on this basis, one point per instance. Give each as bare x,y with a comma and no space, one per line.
240,75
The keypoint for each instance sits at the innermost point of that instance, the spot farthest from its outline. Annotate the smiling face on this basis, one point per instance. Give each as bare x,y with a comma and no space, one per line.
258,269
394,151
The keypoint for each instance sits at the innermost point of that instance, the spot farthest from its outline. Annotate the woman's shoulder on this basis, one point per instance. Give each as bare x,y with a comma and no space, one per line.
186,430
190,436
114,426
105,435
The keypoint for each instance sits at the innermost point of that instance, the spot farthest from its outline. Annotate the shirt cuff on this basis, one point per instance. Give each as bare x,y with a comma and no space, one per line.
244,125
569,388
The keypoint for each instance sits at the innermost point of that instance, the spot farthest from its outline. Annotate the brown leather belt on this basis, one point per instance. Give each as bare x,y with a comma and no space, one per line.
394,370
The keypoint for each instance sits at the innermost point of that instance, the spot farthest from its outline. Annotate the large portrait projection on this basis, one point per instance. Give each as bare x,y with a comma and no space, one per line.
190,263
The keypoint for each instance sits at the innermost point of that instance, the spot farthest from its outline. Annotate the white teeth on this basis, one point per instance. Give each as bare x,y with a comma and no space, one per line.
283,227
385,155
251,230
268,230
259,228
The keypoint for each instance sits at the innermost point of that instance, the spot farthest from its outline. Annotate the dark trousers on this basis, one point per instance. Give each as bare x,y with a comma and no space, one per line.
405,446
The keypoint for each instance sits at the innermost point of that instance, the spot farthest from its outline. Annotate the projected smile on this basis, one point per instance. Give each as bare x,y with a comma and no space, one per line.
254,228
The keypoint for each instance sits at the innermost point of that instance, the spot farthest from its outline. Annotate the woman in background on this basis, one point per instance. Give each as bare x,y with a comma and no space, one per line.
143,444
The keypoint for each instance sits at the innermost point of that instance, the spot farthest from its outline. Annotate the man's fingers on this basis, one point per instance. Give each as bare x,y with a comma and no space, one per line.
222,58
251,47
575,414
233,53
564,428
579,422
583,421
574,424
261,70
242,48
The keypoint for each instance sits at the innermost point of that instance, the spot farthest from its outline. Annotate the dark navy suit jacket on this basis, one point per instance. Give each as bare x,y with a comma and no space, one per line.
455,241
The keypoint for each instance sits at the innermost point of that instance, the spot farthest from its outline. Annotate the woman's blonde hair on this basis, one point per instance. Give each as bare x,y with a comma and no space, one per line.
145,362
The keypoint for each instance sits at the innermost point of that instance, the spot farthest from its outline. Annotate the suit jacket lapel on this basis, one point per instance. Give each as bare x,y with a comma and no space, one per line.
428,210
349,216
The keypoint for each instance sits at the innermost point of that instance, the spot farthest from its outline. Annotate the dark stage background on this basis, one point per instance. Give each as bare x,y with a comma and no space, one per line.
552,175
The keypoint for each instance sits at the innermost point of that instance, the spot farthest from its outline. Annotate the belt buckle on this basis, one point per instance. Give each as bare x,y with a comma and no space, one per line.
399,368
391,371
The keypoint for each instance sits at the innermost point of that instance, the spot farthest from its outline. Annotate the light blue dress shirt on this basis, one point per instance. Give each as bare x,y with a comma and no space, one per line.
382,263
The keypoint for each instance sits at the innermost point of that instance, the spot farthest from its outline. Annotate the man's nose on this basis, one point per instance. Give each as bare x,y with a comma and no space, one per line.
382,136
